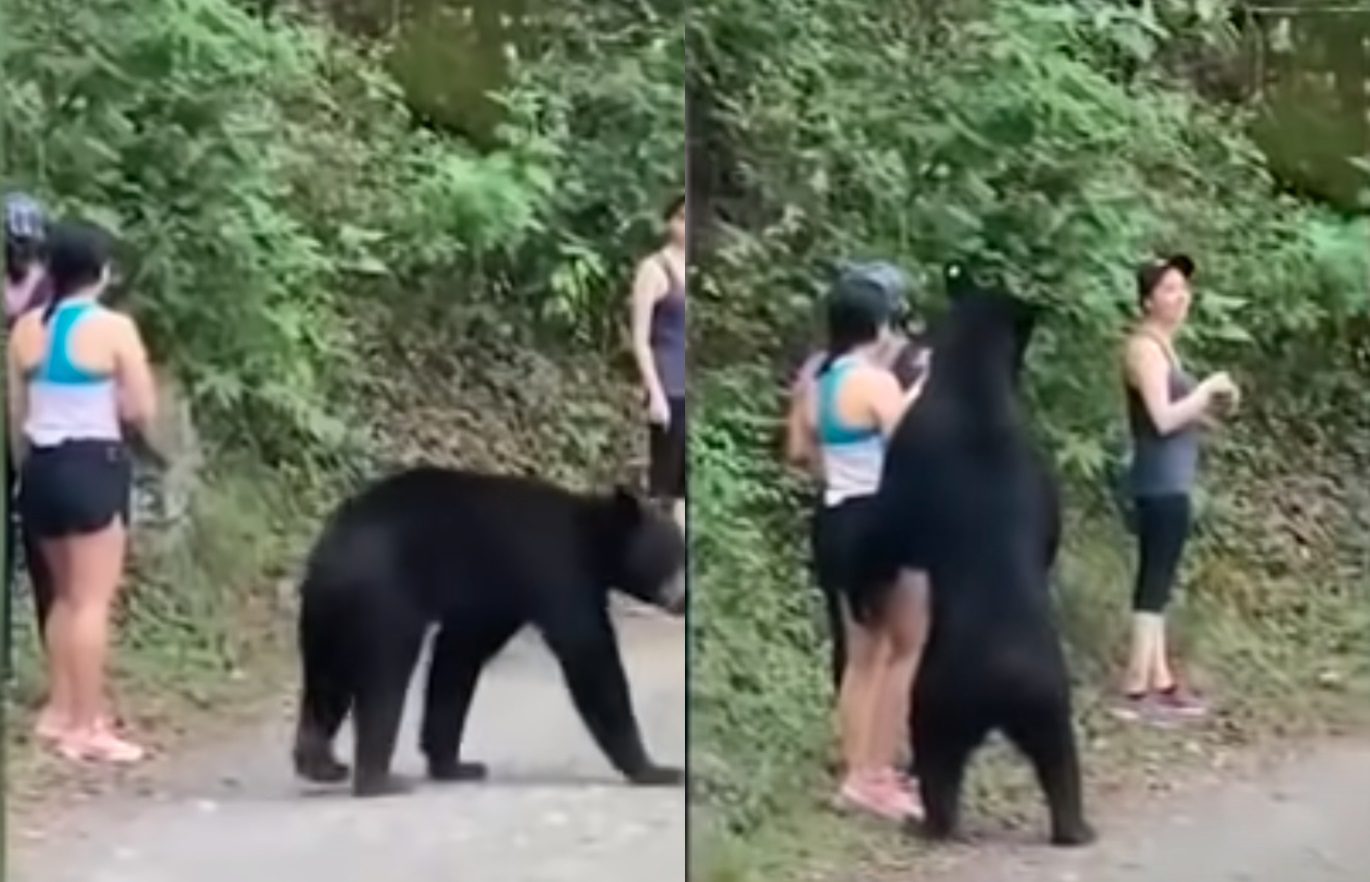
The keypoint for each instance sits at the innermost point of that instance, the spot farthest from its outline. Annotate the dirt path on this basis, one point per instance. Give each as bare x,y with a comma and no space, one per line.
553,810
1306,819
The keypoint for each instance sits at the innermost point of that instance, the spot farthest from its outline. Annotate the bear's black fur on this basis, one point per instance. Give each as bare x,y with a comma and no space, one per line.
480,556
967,498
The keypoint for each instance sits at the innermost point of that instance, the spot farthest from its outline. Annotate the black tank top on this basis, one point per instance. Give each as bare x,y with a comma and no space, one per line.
667,336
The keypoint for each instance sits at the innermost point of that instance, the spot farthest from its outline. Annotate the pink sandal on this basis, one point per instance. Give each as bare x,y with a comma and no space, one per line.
908,788
47,727
100,745
877,795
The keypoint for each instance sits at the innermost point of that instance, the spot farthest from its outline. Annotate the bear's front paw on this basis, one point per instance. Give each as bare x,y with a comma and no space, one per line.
933,831
368,786
658,776
319,767
454,771
1077,834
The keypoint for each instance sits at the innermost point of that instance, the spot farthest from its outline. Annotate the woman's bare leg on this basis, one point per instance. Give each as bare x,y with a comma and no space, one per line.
1161,676
909,625
97,569
1141,658
58,713
854,695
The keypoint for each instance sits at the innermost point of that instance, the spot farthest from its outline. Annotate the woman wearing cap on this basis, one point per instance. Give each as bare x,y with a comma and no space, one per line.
906,356
26,287
658,329
25,236
77,371
1166,411
851,407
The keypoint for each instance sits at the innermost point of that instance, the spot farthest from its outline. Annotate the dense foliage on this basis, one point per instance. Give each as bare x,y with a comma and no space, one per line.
1046,141
268,183
337,284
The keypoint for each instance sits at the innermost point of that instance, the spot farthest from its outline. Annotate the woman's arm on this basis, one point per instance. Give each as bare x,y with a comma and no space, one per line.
800,449
889,403
1149,373
648,286
137,390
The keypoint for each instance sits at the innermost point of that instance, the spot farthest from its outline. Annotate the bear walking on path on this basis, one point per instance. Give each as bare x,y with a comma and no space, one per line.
966,498
480,556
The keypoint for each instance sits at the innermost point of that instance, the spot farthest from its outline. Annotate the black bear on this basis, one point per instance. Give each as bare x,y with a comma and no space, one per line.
967,498
480,556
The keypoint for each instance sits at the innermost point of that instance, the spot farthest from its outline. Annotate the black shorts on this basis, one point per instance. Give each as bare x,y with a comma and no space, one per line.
75,487
837,538
666,471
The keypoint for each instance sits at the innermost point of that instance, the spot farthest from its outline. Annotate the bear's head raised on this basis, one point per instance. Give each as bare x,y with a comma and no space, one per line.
987,330
645,552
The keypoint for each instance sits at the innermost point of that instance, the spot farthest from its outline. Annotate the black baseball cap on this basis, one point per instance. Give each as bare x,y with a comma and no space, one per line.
1150,273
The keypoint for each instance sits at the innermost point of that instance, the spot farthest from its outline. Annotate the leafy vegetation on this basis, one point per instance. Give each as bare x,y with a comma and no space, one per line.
1059,144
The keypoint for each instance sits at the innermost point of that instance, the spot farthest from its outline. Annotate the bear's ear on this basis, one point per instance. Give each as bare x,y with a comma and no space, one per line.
956,277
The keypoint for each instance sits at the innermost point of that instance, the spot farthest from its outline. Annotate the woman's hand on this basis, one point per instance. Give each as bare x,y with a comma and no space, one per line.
658,411
1222,393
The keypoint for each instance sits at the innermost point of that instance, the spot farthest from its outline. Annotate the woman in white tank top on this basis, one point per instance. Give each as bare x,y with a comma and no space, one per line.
77,372
849,409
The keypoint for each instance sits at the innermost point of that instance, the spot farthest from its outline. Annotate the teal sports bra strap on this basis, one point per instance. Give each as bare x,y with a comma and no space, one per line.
57,366
830,427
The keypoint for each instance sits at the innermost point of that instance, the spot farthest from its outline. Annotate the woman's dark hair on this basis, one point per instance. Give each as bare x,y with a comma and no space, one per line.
77,256
1150,274
677,202
856,312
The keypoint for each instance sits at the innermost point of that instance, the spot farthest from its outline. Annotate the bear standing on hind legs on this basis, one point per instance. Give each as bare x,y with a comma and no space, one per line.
480,556
967,499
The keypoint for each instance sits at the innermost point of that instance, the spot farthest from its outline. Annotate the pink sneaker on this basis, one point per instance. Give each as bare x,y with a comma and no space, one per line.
100,745
897,778
879,797
50,726
906,791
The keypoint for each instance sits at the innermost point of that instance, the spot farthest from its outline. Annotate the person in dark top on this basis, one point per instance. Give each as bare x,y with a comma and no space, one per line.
27,287
1166,408
658,334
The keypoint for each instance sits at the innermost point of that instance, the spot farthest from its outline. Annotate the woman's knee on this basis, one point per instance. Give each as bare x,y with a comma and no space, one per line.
909,617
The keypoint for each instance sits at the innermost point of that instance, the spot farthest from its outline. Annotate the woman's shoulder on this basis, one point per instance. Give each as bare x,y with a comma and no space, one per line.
113,314
655,263
1139,340
25,323
873,376
113,324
